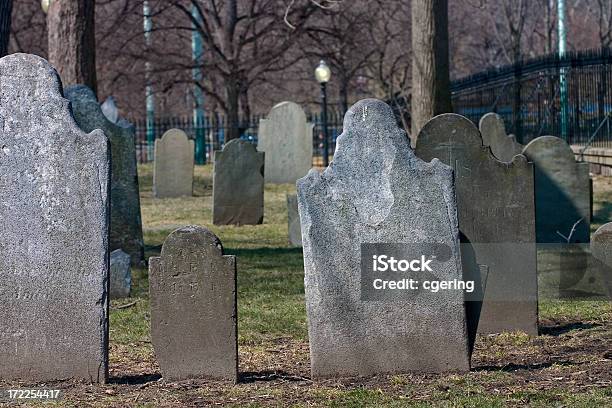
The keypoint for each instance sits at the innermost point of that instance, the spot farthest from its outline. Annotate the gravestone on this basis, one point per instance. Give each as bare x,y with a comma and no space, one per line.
173,166
238,184
109,109
562,192
376,191
601,249
54,212
120,274
496,218
503,146
193,307
293,221
126,222
286,138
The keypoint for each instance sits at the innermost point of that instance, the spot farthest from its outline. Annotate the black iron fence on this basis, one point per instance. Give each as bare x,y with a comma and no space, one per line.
209,133
570,97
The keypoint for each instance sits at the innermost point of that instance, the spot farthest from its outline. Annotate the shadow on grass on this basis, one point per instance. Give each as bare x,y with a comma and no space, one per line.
267,375
558,330
135,379
508,368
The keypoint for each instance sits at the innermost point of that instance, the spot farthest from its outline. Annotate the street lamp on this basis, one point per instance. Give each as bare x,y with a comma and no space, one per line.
45,5
323,74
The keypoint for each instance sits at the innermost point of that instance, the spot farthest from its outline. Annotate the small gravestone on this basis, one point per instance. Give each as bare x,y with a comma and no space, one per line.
193,307
54,207
110,110
293,221
238,184
601,249
496,218
503,146
120,274
286,138
173,166
126,222
563,201
376,191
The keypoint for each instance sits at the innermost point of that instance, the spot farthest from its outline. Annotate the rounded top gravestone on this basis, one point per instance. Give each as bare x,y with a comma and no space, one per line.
601,244
173,165
503,146
286,138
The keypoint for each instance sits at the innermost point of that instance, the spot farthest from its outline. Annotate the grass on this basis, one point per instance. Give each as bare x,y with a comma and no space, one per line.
565,366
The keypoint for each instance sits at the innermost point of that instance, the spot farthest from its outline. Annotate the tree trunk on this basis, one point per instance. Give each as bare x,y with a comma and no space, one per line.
233,95
430,64
6,9
72,42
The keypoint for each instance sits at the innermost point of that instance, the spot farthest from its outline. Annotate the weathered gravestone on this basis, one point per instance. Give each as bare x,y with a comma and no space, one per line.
109,109
193,307
238,184
54,212
126,222
496,218
286,138
562,192
503,146
120,274
293,221
601,249
173,166
376,191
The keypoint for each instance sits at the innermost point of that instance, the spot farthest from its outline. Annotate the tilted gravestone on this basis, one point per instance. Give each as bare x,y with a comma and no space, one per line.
120,274
54,212
496,217
503,146
126,222
601,249
193,307
376,191
563,201
173,166
286,138
293,221
238,184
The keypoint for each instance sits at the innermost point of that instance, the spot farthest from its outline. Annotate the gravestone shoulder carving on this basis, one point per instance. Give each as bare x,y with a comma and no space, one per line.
503,146
286,138
496,218
562,192
193,307
126,221
238,184
376,191
173,166
54,212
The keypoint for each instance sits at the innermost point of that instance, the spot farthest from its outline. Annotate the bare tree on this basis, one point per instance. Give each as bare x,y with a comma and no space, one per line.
72,43
430,62
6,8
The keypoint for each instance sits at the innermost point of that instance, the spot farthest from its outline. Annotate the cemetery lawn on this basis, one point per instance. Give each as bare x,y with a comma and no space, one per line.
569,364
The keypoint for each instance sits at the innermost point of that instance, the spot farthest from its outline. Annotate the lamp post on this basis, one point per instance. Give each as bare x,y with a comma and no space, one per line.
322,74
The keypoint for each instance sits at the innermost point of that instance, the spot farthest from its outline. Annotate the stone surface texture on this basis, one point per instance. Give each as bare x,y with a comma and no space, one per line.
293,221
377,191
562,191
193,307
496,217
503,146
173,166
120,274
126,221
238,184
286,138
601,249
54,212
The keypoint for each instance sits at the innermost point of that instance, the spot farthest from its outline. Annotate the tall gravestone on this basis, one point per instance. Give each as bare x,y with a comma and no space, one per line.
503,146
496,218
126,222
293,221
193,307
173,165
376,191
562,191
286,138
54,212
238,184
